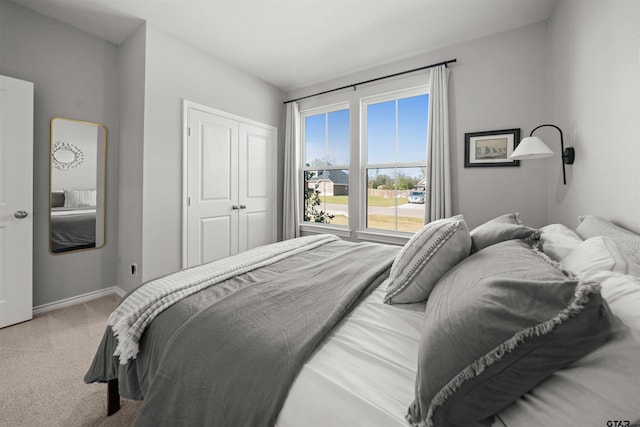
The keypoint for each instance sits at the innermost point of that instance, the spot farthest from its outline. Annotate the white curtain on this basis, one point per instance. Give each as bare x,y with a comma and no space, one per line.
291,204
438,159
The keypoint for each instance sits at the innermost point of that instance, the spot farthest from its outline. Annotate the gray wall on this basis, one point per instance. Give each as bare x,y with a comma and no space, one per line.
175,71
75,76
498,82
594,96
131,74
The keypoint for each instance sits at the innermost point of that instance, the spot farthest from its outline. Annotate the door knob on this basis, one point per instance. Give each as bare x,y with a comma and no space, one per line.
21,214
235,207
243,206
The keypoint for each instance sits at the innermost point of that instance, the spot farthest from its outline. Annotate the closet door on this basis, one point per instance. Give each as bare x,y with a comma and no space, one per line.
230,179
16,201
212,171
256,175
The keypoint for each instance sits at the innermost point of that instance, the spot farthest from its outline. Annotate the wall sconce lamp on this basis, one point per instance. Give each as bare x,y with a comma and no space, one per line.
532,147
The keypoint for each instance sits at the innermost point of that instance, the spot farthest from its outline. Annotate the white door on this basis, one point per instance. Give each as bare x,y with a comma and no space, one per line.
212,168
16,201
230,185
257,164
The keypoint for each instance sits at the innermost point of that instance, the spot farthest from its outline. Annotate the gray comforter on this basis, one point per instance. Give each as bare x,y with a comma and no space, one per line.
227,355
72,232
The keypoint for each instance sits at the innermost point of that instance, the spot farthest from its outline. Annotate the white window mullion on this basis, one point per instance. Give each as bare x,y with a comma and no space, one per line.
395,206
326,138
364,176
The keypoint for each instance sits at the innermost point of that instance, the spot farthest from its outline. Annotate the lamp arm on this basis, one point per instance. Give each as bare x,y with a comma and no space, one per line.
559,130
567,156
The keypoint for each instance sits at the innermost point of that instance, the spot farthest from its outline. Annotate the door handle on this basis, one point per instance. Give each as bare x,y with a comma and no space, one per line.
21,214
234,207
243,206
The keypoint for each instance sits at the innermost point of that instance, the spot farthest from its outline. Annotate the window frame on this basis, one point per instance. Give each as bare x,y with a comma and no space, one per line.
363,231
316,227
352,100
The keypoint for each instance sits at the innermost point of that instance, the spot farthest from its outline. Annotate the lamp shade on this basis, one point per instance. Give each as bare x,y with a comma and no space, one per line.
531,147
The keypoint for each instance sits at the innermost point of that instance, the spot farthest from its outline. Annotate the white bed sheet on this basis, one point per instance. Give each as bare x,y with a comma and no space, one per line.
71,211
363,373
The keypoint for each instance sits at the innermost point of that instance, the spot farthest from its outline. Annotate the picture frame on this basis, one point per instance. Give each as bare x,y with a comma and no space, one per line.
490,148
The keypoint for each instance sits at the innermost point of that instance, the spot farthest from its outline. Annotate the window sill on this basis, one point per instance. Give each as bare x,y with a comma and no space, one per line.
399,239
307,229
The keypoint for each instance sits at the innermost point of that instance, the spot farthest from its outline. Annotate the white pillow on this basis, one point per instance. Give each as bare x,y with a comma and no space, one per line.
558,241
628,242
602,386
79,198
598,254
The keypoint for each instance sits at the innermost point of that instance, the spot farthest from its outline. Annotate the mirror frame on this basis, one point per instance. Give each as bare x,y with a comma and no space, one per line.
103,151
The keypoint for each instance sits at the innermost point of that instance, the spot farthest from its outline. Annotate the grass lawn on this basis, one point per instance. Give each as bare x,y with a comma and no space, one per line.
385,222
340,220
372,201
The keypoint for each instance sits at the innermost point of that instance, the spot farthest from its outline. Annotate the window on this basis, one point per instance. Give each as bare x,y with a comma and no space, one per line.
379,193
326,145
395,137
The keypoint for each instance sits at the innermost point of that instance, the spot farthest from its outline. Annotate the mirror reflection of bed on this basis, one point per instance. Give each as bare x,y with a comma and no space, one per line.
77,185
73,226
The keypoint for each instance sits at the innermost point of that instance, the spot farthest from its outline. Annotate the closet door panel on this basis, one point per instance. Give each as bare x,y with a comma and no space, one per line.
257,234
215,240
216,158
257,165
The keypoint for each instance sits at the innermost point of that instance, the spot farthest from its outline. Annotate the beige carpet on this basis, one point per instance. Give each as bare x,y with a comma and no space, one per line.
42,363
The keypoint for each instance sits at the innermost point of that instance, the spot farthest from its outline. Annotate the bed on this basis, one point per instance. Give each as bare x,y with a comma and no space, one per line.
502,325
73,221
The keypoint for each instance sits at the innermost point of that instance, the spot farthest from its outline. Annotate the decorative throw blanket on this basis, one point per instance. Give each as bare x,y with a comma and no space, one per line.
129,320
232,362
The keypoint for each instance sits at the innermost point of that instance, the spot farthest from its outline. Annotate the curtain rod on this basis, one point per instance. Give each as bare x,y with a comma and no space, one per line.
353,85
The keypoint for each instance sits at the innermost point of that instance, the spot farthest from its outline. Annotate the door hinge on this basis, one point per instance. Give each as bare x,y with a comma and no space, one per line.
188,131
188,201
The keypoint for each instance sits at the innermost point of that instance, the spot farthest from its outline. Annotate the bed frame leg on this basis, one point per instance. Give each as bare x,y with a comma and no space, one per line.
113,397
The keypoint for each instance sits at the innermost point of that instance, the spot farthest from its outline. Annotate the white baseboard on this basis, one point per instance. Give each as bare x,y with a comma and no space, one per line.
79,299
119,291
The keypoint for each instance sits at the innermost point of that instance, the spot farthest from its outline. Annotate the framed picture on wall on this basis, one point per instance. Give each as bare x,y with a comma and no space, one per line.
490,148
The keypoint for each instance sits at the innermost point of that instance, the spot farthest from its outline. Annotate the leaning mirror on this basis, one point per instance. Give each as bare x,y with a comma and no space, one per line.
77,191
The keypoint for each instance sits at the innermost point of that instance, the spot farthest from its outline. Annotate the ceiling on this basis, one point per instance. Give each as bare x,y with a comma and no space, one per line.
296,43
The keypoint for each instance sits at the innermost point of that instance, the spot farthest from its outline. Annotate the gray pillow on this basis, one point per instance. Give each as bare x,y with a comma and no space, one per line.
426,257
504,227
57,199
495,326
